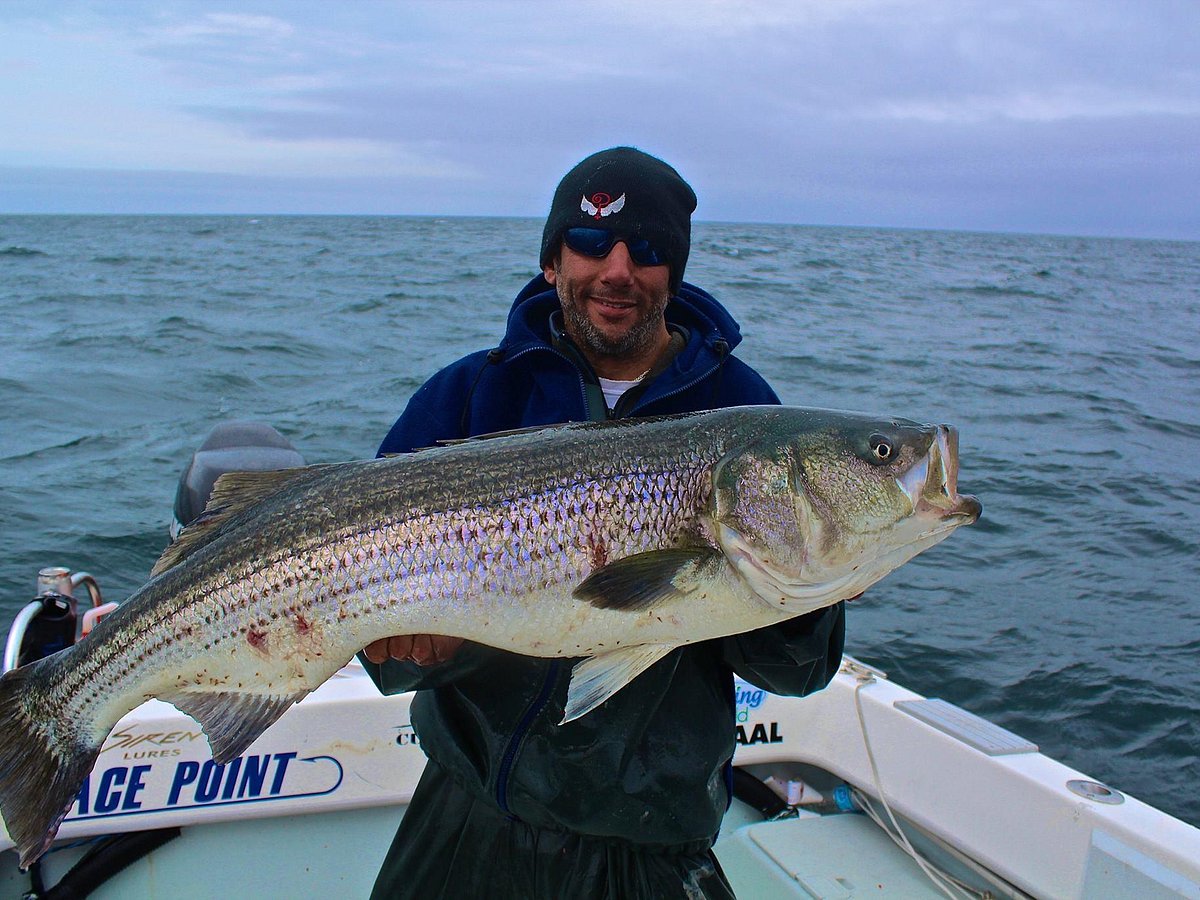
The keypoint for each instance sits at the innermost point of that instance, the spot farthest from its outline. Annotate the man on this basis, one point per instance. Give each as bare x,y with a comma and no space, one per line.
626,801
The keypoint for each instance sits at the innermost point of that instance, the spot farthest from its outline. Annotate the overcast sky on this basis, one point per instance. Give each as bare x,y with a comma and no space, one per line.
1065,117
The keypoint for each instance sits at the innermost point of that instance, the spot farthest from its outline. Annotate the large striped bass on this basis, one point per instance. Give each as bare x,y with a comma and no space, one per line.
614,542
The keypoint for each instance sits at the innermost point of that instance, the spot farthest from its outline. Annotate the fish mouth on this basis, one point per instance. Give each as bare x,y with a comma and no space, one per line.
932,484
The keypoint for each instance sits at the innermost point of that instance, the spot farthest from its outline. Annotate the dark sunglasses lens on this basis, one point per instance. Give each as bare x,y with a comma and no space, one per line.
597,242
589,241
642,253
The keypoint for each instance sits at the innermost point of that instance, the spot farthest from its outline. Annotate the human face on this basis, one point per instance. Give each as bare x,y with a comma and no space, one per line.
612,307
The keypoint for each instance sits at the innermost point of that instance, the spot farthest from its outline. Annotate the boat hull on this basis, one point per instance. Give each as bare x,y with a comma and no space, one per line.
330,781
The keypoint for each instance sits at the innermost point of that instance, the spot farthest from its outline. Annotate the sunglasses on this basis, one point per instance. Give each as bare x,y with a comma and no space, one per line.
597,242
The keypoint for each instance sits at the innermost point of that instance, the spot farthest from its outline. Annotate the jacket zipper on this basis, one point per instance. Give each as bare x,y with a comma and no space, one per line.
518,737
564,358
679,390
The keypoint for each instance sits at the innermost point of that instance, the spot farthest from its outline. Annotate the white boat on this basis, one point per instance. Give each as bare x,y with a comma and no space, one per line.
310,809
863,789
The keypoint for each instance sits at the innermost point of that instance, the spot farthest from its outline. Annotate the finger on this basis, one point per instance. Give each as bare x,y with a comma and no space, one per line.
376,651
430,649
418,647
400,647
445,647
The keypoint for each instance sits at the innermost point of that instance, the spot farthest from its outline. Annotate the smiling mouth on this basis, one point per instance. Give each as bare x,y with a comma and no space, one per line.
613,303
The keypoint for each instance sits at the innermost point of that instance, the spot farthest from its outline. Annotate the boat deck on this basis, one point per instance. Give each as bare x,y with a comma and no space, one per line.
842,856
826,857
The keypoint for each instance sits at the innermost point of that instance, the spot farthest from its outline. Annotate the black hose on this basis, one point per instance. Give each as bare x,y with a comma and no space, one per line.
757,795
105,860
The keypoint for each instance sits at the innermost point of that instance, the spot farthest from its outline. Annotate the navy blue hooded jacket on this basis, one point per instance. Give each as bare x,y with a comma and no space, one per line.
532,379
651,765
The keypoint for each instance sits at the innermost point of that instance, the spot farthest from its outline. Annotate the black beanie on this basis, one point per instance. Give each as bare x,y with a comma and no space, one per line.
633,195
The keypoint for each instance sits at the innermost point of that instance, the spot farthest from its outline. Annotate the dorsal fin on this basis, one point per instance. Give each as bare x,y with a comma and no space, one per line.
489,435
507,432
625,422
233,493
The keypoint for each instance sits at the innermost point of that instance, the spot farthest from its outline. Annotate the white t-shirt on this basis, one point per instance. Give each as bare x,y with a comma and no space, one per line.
613,389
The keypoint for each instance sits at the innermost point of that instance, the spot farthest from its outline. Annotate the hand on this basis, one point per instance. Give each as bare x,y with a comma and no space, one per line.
423,649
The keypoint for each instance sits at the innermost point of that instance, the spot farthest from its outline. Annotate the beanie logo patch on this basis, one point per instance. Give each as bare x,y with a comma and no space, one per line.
601,205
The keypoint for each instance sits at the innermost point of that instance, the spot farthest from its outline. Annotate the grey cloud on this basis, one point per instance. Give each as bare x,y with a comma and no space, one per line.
1023,116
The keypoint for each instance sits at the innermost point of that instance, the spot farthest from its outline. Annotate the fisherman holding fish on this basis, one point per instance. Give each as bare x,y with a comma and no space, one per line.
626,801
580,596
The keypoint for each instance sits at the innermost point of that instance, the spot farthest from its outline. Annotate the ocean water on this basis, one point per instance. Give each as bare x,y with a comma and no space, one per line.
1071,366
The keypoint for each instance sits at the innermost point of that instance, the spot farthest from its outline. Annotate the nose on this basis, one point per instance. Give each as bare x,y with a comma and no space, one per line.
618,265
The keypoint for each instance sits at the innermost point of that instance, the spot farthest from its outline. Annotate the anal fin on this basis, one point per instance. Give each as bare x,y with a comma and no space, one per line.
596,679
232,720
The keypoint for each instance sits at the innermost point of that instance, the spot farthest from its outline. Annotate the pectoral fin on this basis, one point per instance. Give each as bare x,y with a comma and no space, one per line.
595,680
640,581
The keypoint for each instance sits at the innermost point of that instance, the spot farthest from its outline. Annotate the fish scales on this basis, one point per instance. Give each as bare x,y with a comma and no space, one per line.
260,576
614,541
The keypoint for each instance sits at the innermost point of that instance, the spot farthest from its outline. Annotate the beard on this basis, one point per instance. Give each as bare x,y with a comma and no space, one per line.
640,336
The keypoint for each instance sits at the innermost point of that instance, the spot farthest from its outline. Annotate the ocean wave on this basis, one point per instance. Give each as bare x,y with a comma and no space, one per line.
1068,365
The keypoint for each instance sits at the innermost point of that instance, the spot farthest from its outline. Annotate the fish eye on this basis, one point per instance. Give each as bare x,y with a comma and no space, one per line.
882,450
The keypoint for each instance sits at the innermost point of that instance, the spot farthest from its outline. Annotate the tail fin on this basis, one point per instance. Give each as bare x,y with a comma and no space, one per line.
41,769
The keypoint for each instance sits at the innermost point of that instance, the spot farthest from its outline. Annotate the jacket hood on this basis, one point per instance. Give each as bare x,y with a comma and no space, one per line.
692,308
